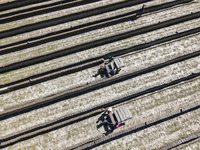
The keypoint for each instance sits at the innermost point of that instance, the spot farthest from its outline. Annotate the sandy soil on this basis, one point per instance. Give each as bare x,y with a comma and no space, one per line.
56,14
143,21
6,1
74,23
101,95
25,7
189,146
159,135
134,61
13,75
143,108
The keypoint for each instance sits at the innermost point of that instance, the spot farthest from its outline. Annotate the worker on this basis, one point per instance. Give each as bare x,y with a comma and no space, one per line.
104,122
110,58
143,8
106,113
101,70
109,109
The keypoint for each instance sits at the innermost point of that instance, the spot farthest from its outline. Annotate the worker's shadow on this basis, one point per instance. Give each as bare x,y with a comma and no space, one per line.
102,74
105,122
138,14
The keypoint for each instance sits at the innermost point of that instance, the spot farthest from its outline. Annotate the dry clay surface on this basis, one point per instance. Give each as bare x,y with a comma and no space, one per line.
108,31
77,22
133,62
158,135
102,95
13,75
143,108
191,145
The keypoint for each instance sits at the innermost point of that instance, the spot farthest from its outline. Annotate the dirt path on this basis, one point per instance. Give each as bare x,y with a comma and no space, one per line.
134,61
159,135
104,94
143,109
143,21
77,22
188,146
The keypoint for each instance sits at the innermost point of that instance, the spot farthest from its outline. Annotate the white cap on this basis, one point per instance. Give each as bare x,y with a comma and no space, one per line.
110,109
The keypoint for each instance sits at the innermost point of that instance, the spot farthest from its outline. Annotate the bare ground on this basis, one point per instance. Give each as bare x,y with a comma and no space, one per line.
101,95
143,108
158,135
132,61
143,21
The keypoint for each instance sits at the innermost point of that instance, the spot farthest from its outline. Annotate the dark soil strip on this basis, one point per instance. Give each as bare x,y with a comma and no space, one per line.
19,3
99,140
51,74
98,42
42,9
43,128
42,77
61,122
181,141
63,95
186,144
35,41
67,18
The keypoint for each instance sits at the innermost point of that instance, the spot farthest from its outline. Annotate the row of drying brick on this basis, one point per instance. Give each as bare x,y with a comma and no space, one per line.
91,86
82,28
96,141
71,17
90,111
95,43
74,67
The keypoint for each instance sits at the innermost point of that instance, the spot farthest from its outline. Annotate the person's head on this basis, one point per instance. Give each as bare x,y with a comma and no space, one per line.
109,109
101,66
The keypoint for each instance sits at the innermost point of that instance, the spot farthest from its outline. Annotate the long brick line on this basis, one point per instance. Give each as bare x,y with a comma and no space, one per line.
41,9
98,42
83,114
18,4
70,17
32,104
74,67
96,141
82,28
181,141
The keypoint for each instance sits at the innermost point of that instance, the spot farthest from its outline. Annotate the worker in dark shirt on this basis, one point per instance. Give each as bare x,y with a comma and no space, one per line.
104,122
105,119
101,70
110,58
143,8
